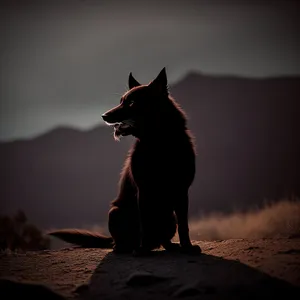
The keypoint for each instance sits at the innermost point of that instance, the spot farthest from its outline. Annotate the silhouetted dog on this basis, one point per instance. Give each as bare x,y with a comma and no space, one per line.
154,183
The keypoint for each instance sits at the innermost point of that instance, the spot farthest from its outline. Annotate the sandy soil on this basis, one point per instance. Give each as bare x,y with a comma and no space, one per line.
228,269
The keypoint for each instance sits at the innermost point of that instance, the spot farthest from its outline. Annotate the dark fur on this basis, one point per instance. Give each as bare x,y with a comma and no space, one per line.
157,174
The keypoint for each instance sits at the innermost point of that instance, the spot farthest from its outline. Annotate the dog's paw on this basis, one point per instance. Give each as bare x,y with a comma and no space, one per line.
121,250
172,247
191,249
141,251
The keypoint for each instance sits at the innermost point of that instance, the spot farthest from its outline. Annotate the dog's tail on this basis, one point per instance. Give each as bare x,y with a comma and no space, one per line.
83,238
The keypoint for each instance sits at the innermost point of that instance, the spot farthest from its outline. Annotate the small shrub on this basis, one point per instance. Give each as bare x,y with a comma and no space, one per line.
16,233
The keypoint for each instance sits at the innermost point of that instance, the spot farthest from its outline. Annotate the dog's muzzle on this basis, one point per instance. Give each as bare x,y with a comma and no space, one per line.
122,129
105,117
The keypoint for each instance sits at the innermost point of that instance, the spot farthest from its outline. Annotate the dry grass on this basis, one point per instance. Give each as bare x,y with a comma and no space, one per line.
274,220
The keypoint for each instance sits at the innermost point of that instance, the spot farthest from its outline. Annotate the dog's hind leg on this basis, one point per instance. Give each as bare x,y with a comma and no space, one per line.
124,228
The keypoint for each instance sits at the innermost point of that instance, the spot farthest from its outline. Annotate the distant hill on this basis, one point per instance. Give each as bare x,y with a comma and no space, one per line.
247,134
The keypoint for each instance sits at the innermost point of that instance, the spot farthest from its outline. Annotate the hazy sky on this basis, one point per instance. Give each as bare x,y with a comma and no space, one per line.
66,62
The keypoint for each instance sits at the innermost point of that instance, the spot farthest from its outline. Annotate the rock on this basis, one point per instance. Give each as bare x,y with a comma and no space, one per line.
11,289
143,279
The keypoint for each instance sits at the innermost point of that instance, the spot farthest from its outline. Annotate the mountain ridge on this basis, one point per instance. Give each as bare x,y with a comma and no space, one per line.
187,77
246,137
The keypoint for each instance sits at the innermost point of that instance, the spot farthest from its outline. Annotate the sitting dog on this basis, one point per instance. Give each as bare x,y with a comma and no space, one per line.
153,200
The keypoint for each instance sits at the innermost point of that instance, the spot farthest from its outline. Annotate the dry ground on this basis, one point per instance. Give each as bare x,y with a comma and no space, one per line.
227,269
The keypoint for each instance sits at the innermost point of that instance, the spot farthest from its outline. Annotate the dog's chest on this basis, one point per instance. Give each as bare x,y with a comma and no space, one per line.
159,163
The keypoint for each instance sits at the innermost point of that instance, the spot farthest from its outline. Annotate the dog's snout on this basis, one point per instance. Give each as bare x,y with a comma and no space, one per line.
104,117
113,115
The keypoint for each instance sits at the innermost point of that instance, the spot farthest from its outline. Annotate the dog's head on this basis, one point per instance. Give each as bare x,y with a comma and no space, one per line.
138,107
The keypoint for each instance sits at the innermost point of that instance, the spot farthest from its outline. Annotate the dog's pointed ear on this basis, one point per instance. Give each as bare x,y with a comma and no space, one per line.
160,83
132,82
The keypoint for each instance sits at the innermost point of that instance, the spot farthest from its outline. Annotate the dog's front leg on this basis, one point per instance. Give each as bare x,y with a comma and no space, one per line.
181,210
145,220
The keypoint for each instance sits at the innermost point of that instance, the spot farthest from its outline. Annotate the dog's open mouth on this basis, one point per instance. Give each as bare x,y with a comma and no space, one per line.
122,129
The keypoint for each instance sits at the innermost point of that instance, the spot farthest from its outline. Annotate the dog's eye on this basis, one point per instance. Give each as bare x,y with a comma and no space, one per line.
131,103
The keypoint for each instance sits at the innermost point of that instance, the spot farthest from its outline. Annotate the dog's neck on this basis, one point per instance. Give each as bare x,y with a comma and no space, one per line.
169,122
163,132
